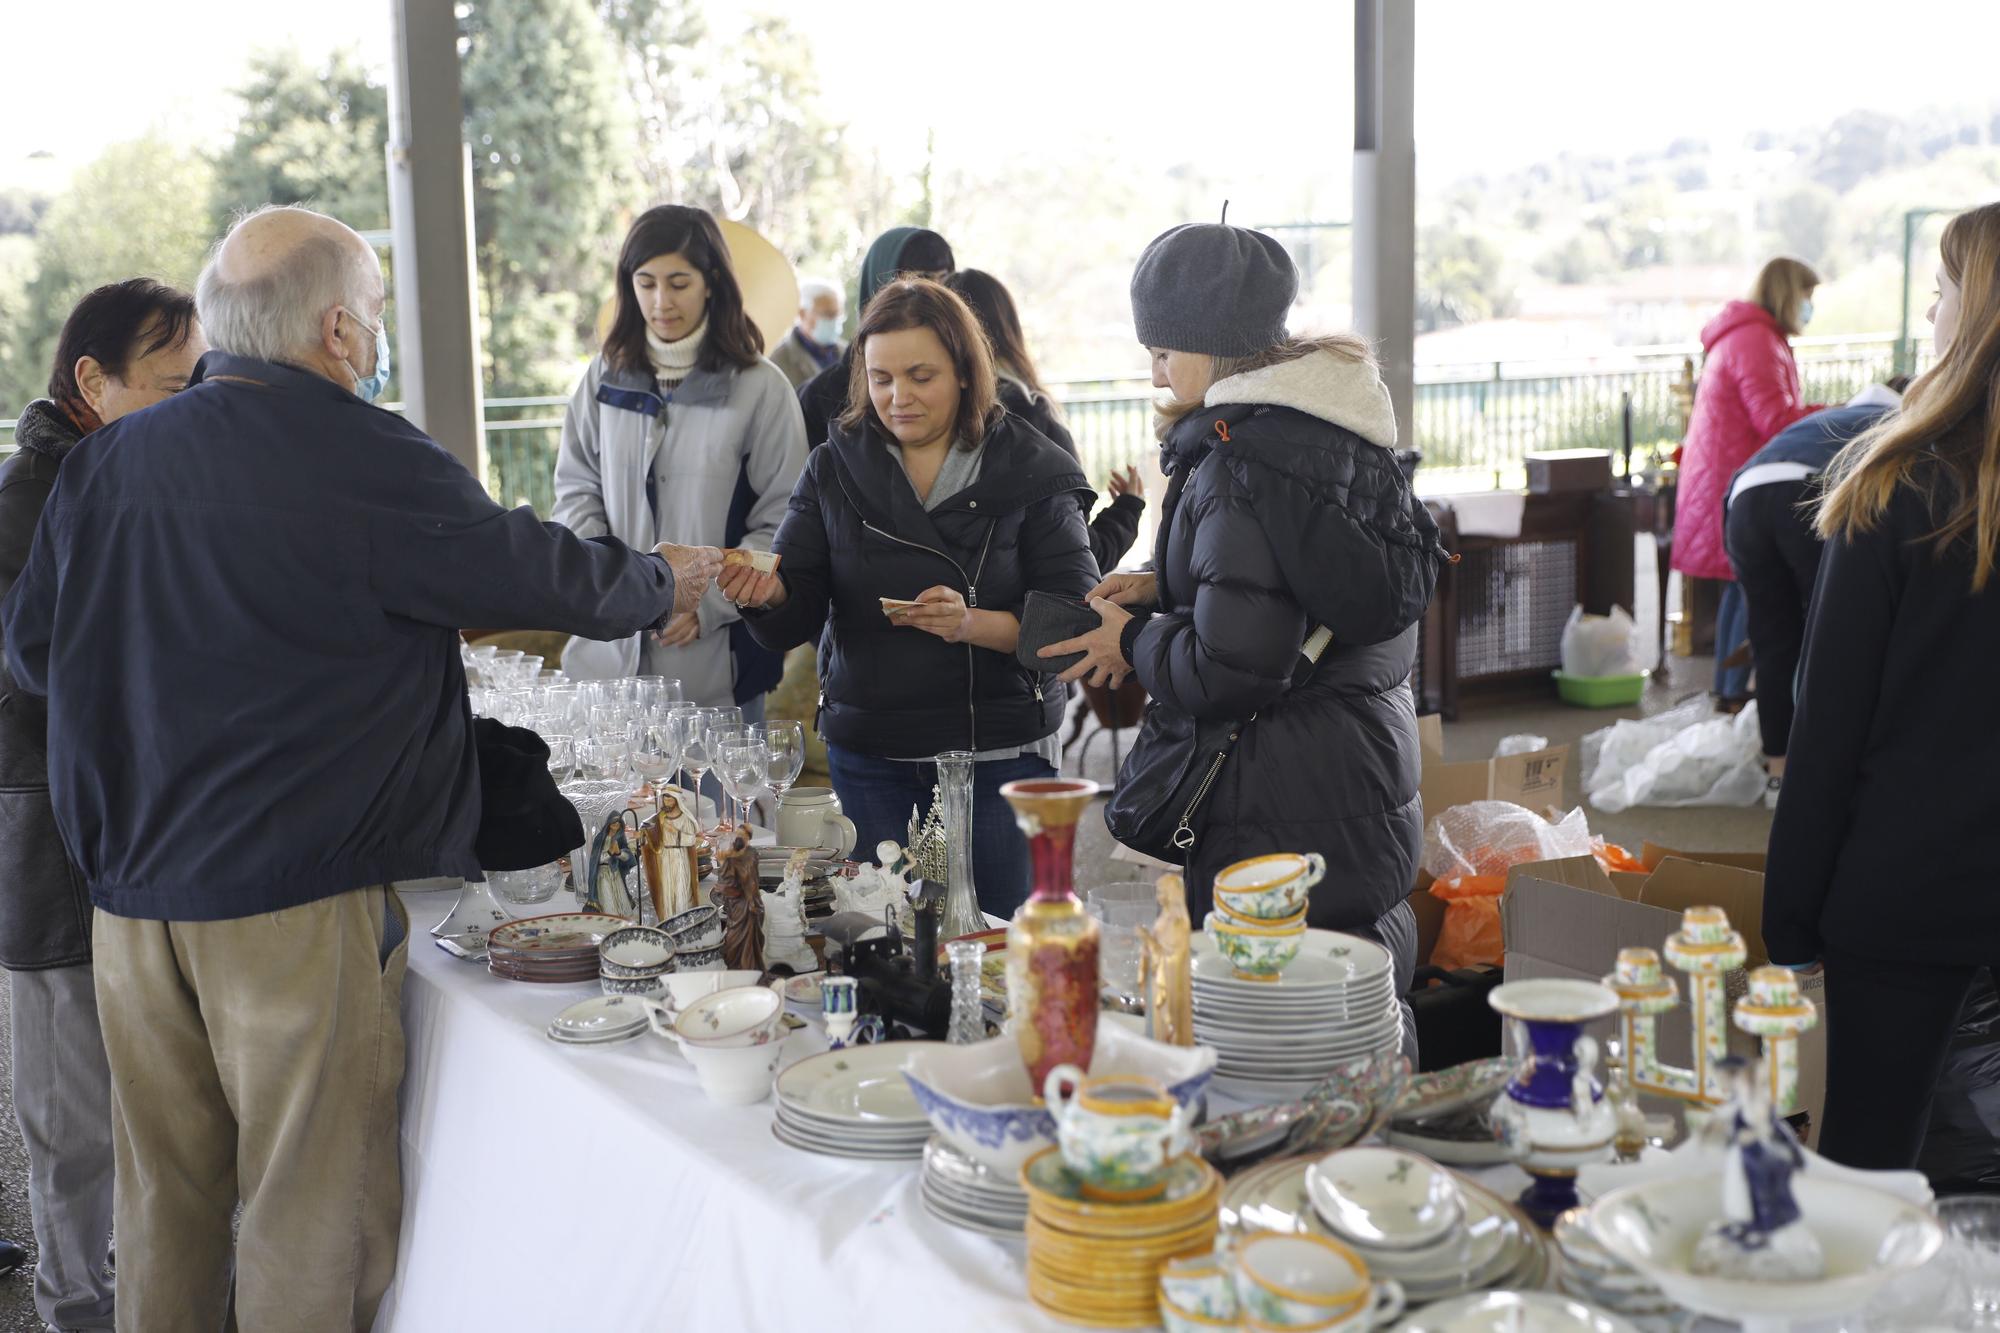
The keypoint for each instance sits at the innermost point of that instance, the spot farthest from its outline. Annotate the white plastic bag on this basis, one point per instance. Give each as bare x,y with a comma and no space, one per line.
1600,645
1689,756
1521,744
1488,837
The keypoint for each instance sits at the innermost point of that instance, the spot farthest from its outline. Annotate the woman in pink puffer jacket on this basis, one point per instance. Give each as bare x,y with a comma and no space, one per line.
1749,391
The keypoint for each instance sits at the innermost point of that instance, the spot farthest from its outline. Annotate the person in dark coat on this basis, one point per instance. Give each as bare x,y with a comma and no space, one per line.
927,492
1768,515
915,252
1285,511
1881,861
1116,526
243,607
125,347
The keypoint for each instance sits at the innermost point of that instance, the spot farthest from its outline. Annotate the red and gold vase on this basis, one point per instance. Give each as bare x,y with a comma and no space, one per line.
1052,976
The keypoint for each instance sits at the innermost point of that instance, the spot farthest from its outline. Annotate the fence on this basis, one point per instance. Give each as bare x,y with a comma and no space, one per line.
1473,423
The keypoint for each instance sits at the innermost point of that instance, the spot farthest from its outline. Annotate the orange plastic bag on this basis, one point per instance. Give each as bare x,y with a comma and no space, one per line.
1471,932
1615,858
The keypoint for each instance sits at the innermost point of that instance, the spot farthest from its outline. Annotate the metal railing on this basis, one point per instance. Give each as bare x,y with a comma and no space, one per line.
1474,423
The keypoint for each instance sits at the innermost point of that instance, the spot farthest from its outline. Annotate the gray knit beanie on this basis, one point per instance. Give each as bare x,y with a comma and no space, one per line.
1209,287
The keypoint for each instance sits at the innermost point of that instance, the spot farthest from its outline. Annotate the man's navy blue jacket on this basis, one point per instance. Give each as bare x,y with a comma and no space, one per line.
243,604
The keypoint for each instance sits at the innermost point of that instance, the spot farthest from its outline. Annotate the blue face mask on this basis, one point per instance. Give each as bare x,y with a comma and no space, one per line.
368,388
1805,313
826,332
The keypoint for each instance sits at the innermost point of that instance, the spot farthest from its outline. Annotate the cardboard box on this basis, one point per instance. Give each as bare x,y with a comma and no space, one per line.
1568,918
1567,471
1533,780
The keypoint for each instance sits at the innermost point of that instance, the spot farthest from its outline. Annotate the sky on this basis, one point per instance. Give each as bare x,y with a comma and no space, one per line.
1255,83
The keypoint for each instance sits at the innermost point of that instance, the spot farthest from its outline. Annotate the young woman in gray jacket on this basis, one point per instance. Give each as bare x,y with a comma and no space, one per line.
681,431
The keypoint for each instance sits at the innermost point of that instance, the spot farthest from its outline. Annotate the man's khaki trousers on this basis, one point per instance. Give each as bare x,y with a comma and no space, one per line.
256,1060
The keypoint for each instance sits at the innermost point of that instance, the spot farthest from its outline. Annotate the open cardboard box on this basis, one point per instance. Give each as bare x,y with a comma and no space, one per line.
1569,918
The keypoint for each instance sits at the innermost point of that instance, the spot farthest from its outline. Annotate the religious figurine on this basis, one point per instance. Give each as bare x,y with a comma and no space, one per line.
1762,1237
671,843
615,849
1169,963
742,902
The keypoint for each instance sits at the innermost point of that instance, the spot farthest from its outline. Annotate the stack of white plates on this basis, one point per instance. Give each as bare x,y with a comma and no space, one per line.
599,1021
970,1194
1496,1246
1275,1039
1592,1273
853,1103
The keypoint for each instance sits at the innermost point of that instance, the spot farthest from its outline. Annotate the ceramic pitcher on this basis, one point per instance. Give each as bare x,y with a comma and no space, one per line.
811,817
1116,1133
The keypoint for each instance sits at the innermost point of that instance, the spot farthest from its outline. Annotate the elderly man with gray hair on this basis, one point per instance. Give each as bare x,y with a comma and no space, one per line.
243,605
813,343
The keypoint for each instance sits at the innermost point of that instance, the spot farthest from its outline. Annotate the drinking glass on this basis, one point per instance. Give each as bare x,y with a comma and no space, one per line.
785,756
696,755
657,691
1972,1240
1124,910
740,763
653,752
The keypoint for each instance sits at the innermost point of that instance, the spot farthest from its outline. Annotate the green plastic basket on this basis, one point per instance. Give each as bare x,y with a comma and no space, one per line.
1601,691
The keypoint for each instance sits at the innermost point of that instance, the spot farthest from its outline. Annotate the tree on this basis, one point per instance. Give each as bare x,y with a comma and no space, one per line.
662,45
552,173
1460,278
309,135
139,210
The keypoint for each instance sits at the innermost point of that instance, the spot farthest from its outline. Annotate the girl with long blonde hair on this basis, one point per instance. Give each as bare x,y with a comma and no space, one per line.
1881,859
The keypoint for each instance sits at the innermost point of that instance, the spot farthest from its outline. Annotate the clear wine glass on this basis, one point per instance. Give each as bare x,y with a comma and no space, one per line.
655,692
696,755
740,763
785,756
652,753
562,757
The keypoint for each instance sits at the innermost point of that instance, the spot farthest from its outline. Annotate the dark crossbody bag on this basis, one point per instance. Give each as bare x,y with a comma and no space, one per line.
1172,768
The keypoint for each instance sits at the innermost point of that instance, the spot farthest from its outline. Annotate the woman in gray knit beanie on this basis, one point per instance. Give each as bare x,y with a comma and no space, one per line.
1285,513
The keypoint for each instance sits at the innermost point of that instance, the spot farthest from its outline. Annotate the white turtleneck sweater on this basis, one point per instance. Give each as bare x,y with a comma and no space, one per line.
673,361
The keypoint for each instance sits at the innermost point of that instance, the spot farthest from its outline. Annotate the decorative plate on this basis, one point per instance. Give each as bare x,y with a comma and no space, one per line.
560,932
1451,1089
861,1084
1327,961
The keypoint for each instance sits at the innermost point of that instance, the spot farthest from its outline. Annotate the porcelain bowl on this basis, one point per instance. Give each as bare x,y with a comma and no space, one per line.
708,960
696,928
738,1016
1255,951
652,988
978,1096
735,1075
1384,1198
635,952
1298,1280
1868,1236
685,987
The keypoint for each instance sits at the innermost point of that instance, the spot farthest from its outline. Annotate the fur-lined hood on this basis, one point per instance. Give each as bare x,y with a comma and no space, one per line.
1322,384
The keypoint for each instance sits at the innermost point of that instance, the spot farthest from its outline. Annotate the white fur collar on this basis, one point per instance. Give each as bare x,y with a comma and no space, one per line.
1347,393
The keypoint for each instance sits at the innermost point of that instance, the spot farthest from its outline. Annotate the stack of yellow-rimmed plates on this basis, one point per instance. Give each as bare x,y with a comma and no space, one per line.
1096,1262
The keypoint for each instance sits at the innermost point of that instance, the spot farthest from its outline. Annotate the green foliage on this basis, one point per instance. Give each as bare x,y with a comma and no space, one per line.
139,210
1461,276
552,172
310,135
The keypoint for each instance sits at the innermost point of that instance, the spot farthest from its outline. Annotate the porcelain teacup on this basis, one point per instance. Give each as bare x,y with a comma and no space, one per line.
734,1075
1116,1133
1257,953
1200,1288
738,1016
1270,887
1288,1281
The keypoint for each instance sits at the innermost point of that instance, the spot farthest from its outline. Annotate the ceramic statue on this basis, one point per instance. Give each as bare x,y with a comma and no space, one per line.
1762,1236
742,902
670,843
785,919
1169,963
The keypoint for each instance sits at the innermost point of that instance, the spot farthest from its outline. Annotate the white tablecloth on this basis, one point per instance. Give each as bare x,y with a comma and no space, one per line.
575,1189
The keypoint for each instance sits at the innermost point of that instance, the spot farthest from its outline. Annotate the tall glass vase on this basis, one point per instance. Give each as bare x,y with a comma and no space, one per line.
1052,942
961,899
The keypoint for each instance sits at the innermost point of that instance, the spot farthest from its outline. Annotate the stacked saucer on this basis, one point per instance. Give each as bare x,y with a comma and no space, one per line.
561,947
599,1021
1592,1273
1494,1246
853,1103
1274,1039
1098,1263
966,1193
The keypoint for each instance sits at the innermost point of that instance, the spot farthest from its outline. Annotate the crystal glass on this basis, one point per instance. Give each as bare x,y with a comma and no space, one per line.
692,731
675,720
784,755
968,1006
961,901
1124,910
655,691
714,728
562,756
525,888
653,751
1972,1240
740,763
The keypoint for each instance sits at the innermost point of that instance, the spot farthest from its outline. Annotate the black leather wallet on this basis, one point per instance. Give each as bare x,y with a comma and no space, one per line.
1046,619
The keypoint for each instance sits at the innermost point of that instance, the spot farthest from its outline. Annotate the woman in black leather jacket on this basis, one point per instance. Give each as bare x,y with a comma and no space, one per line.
1284,511
926,493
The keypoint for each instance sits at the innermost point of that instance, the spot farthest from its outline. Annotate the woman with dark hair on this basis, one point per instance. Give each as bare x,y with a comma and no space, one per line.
1291,568
681,432
125,347
1114,530
912,543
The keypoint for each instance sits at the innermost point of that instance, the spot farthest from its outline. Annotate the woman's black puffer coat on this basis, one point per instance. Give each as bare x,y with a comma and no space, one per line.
1286,511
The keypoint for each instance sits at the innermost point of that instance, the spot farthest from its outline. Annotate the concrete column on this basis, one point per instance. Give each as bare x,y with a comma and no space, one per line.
1385,193
430,219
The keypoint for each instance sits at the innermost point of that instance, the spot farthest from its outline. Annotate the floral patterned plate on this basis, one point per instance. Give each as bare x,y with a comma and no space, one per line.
1452,1089
858,1085
1328,961
558,933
